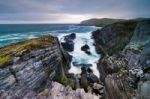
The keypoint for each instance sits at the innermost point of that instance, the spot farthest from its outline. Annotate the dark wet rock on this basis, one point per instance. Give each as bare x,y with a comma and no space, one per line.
68,45
70,37
91,77
90,82
86,49
84,70
89,70
89,74
146,69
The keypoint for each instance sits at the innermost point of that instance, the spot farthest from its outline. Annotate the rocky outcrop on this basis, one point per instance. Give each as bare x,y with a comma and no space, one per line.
114,38
57,91
68,45
86,49
60,92
125,59
27,65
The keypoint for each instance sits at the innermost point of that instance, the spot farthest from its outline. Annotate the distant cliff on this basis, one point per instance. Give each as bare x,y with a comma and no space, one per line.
100,22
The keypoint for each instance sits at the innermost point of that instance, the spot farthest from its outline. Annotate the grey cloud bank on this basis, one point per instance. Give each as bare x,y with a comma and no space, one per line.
70,11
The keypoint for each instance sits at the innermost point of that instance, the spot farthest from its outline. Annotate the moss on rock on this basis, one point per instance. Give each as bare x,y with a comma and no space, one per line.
5,59
44,93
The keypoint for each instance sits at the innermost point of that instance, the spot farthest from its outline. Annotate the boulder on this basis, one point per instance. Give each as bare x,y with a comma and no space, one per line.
68,45
70,37
98,89
91,77
86,48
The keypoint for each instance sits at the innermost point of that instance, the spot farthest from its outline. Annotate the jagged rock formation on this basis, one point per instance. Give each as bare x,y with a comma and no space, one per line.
68,45
27,65
57,91
124,67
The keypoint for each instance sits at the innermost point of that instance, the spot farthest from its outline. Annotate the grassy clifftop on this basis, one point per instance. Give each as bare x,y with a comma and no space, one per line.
17,49
107,21
100,22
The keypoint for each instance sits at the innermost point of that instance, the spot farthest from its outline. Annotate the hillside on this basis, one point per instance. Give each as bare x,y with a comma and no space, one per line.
100,22
106,21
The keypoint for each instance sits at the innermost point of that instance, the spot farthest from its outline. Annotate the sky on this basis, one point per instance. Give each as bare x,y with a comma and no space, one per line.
70,11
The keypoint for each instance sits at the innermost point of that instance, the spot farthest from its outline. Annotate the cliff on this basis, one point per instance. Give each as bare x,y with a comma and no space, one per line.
101,22
28,65
37,68
124,66
114,37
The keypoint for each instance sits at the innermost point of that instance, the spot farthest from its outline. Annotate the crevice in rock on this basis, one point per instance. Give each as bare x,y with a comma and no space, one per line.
14,74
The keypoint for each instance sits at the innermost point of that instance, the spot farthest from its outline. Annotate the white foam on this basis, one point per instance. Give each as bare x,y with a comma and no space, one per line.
80,56
74,69
32,36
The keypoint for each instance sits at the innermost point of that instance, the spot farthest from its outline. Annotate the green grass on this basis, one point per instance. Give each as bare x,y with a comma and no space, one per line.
5,59
44,93
18,49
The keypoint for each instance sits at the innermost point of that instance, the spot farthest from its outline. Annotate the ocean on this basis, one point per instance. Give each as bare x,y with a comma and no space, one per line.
11,33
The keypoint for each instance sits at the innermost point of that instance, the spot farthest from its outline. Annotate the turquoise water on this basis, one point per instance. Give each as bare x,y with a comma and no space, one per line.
11,33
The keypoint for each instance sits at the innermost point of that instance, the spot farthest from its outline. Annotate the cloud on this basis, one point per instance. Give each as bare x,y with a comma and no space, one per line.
70,10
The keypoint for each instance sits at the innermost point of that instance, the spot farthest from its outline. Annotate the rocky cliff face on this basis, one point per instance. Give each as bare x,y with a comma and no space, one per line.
55,91
28,65
115,37
124,66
